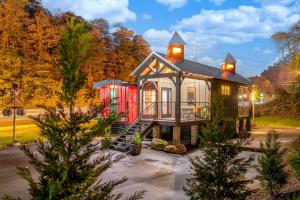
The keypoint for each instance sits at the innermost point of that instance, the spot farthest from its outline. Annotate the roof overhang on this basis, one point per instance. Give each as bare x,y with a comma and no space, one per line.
148,60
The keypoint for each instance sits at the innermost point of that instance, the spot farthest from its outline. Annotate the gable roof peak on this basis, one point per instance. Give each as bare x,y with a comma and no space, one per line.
176,39
229,59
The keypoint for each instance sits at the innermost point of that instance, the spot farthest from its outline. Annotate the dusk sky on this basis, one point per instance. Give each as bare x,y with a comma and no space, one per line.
242,27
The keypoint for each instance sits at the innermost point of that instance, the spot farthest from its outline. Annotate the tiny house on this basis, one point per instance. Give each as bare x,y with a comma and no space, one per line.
120,96
174,96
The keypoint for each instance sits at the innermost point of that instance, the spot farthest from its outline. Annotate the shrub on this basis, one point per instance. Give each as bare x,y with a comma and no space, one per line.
159,144
295,161
137,138
270,164
181,149
171,148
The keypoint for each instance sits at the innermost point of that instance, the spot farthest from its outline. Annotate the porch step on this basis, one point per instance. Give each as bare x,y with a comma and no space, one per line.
124,141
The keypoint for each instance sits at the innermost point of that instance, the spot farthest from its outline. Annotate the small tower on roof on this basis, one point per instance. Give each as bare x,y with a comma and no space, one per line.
176,46
229,64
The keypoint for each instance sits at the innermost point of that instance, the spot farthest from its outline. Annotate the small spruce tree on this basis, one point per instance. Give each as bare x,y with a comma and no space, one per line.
270,164
70,163
219,173
295,161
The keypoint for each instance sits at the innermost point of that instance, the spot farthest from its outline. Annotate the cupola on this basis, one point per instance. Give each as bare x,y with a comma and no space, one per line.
176,47
229,64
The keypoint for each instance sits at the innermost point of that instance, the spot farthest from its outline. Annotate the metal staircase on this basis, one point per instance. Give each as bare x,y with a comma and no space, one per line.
124,141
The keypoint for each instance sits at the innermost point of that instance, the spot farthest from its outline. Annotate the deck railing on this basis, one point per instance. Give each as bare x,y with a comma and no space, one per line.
189,111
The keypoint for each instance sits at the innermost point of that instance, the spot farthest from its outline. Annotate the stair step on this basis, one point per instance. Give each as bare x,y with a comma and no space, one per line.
123,141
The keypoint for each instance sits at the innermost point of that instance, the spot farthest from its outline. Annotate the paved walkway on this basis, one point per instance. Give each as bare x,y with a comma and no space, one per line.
161,174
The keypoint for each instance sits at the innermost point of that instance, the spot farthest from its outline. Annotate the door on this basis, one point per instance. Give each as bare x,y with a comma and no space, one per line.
113,100
149,101
166,102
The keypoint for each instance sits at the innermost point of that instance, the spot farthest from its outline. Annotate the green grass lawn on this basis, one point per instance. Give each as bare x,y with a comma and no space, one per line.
278,122
24,134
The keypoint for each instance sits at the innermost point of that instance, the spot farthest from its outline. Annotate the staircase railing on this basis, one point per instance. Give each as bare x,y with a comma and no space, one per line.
138,118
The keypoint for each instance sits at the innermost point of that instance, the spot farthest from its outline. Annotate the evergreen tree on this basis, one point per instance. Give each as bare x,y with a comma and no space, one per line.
295,161
71,166
219,173
270,164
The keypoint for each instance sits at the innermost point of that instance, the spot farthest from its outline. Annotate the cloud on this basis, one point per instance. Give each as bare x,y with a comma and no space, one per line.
210,28
209,61
146,16
238,25
217,2
158,39
113,11
275,2
172,4
263,51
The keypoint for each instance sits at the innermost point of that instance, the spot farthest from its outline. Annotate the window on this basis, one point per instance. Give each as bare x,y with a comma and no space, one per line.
191,94
225,90
176,50
113,99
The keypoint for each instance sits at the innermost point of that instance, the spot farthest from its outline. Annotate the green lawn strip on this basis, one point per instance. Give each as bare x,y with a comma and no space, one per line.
24,134
278,122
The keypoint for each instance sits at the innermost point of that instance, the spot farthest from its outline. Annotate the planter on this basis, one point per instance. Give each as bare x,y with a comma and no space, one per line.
136,149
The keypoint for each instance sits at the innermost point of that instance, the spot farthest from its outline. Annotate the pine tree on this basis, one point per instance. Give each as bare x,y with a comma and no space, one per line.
71,166
270,164
219,173
295,161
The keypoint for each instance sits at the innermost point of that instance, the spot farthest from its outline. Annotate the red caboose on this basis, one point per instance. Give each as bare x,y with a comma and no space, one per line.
122,97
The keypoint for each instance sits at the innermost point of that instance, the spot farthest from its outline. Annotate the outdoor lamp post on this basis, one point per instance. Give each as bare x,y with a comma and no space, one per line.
253,111
15,110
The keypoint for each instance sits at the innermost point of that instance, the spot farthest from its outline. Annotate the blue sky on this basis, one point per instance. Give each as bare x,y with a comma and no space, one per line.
242,27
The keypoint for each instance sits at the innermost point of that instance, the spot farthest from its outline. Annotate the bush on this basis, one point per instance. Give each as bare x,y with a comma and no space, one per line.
137,138
159,144
270,167
295,161
181,149
171,149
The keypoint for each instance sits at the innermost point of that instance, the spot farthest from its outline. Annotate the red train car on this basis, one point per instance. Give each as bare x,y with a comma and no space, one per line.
123,98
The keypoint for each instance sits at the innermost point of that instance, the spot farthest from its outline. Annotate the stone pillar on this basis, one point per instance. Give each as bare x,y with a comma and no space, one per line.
156,132
237,126
194,134
176,134
244,125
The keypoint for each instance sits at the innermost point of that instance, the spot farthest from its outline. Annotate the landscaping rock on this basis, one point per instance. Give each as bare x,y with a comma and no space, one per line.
159,144
181,149
171,149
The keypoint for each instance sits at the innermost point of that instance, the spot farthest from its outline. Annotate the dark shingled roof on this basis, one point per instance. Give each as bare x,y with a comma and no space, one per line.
205,70
176,39
229,59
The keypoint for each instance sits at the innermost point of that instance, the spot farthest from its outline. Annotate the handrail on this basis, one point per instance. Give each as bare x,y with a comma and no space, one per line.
132,123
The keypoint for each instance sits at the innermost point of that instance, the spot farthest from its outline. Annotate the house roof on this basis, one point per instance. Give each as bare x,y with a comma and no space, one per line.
229,59
205,70
99,84
176,39
195,68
